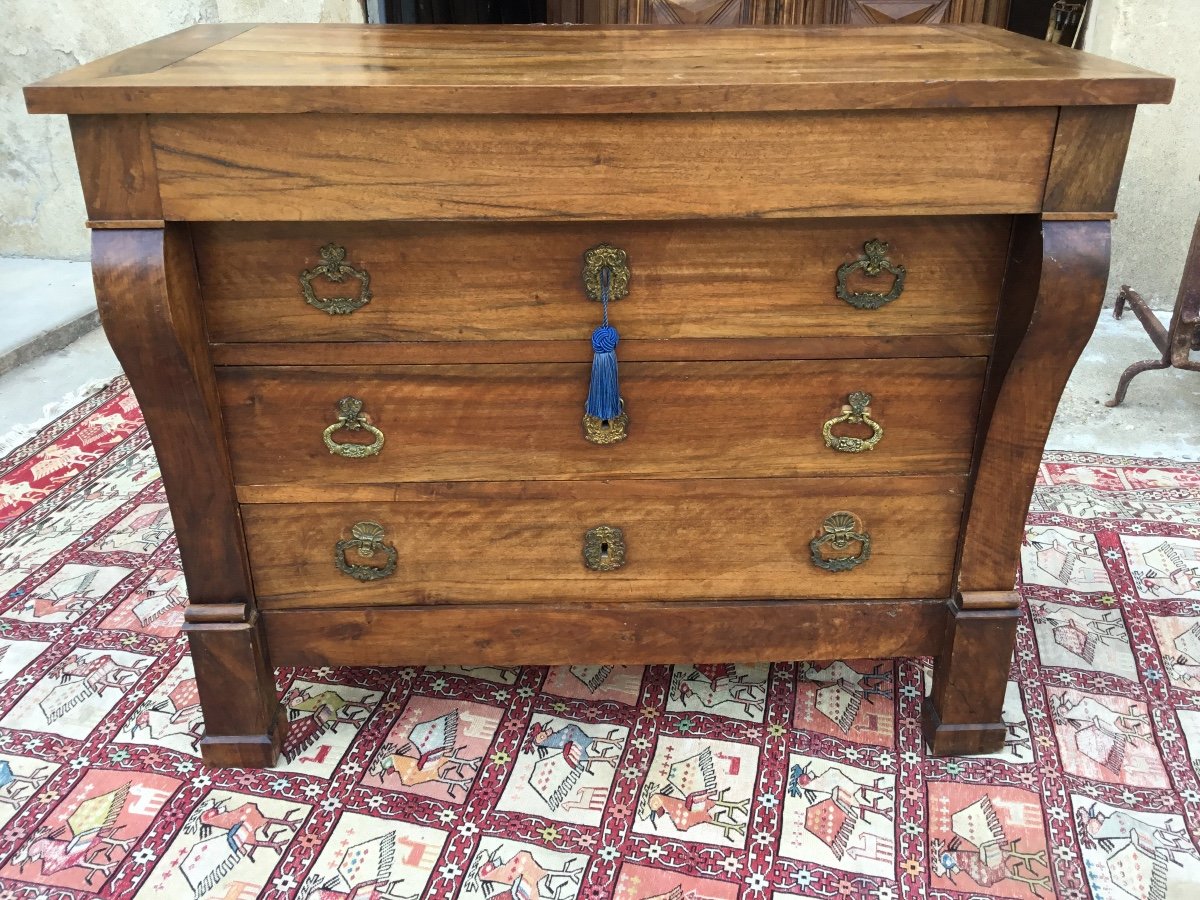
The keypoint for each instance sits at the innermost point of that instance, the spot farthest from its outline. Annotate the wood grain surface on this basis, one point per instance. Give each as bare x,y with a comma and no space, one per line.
548,70
687,540
609,633
535,167
522,422
470,282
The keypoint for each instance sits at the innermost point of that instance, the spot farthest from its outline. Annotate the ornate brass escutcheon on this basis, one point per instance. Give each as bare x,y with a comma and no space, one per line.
858,412
367,540
606,431
605,256
839,531
604,548
874,262
334,267
350,417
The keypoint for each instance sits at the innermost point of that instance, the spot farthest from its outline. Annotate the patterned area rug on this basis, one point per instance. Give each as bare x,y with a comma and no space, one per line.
713,780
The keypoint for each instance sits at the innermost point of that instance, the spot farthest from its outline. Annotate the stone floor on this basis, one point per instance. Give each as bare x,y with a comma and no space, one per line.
1160,417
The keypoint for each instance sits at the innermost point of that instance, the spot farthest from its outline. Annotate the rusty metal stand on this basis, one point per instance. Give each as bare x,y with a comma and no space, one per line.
1177,342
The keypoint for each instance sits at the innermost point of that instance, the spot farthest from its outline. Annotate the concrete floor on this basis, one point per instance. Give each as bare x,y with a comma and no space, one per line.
1160,417
1161,413
64,310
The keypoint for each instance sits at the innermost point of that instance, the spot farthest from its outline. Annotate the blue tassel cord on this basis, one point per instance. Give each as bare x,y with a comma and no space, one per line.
604,395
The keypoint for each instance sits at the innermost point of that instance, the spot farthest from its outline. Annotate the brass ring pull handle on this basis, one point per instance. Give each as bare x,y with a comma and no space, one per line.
873,263
350,417
604,548
606,431
334,267
367,540
606,256
858,412
839,531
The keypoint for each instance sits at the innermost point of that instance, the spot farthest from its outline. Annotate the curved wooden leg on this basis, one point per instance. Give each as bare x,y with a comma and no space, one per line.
150,307
1053,293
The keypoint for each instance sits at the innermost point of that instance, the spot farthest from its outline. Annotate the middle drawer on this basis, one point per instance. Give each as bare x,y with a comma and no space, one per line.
525,422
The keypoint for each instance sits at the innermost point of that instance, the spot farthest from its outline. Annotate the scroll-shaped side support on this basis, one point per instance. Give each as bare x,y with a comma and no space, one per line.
1058,293
149,301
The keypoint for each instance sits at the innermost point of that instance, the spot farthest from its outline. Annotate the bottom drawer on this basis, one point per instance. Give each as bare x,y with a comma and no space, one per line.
677,540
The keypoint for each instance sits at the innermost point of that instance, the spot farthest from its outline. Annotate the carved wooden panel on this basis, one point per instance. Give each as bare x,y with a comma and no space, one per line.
896,12
693,12
900,12
777,12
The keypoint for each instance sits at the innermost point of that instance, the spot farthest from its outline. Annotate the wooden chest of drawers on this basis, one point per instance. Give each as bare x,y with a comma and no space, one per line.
350,273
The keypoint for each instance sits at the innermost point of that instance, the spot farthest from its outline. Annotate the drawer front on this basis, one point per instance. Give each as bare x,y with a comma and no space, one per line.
522,422
474,282
752,165
708,539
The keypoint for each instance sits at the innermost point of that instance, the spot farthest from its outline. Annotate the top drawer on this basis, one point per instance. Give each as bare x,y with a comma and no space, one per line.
703,280
546,168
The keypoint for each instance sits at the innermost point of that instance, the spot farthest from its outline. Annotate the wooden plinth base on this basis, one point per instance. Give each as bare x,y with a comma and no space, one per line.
960,740
251,751
244,724
970,674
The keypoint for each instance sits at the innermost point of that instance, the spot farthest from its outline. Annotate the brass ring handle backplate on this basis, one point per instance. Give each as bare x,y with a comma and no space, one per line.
366,540
350,417
857,412
606,431
334,267
604,548
874,262
595,261
838,532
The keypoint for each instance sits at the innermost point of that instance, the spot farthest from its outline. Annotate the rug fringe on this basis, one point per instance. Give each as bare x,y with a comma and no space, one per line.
17,436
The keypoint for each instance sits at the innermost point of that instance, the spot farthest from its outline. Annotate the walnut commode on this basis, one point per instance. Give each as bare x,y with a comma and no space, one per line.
347,270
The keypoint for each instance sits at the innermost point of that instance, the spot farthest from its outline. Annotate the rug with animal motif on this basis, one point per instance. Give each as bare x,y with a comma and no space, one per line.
774,780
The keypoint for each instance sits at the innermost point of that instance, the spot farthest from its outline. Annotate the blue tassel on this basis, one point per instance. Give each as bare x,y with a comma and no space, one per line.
604,395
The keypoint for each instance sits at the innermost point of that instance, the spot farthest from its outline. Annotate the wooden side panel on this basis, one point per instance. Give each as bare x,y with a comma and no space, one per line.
522,542
471,283
1073,275
607,633
522,422
1089,155
116,167
150,308
335,167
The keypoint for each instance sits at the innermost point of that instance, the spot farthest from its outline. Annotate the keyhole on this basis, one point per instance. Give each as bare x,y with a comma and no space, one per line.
604,423
604,549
